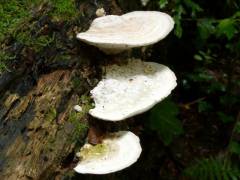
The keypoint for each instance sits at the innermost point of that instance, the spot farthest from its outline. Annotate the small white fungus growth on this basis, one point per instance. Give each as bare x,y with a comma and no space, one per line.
144,2
100,12
77,108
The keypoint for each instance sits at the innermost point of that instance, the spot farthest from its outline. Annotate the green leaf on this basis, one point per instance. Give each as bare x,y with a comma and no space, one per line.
225,118
163,120
179,10
201,76
198,57
194,7
216,86
236,15
226,27
203,106
234,147
229,100
237,128
212,169
205,28
162,3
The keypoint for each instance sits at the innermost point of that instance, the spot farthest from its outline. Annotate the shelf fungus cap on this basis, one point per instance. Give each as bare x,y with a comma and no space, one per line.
113,34
130,89
118,151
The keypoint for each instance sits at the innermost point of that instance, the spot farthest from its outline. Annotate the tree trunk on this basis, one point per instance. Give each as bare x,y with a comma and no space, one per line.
39,130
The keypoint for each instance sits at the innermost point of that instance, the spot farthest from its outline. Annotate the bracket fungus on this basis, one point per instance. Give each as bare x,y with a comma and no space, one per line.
131,89
113,34
127,89
118,151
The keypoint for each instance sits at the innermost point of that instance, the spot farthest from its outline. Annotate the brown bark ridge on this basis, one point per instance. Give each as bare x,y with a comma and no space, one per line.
39,130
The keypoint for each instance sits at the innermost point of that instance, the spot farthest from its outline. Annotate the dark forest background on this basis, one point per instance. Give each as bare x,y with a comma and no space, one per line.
193,134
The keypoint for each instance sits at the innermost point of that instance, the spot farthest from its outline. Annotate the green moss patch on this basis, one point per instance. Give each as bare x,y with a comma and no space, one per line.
63,9
19,24
51,114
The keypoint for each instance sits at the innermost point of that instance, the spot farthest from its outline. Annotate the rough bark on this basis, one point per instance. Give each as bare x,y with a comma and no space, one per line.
39,130
36,134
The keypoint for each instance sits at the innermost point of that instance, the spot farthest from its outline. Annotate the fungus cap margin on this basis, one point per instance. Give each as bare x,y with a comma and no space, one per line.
113,34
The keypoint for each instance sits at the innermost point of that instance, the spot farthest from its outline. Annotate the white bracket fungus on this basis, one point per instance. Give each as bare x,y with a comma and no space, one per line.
118,151
126,90
131,89
113,34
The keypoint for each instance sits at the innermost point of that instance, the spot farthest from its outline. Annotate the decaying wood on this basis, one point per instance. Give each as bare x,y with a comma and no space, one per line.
39,130
33,139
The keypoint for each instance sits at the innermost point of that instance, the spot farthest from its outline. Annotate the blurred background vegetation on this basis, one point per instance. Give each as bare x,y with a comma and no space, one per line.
195,133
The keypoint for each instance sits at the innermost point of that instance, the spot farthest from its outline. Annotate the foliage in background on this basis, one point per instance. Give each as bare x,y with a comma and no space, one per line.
222,166
214,78
163,119
213,168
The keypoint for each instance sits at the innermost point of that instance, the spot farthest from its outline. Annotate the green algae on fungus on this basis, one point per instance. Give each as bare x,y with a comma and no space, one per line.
118,151
94,151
